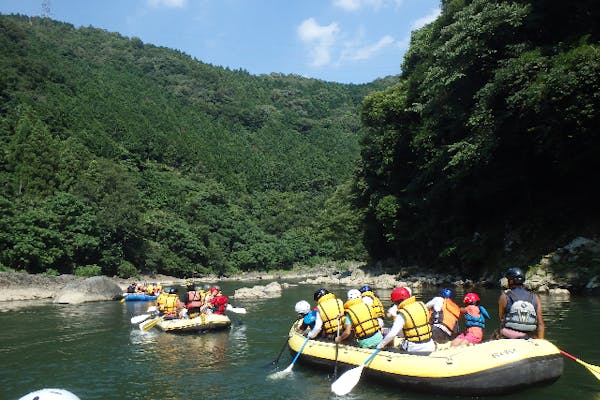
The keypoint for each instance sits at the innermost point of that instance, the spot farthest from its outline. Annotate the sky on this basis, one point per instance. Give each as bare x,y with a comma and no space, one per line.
346,41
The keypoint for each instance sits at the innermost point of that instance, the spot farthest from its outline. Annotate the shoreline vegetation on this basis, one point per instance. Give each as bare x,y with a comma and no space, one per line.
549,276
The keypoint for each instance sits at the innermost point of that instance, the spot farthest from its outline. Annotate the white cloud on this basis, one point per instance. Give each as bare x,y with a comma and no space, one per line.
167,3
366,52
320,40
353,5
421,22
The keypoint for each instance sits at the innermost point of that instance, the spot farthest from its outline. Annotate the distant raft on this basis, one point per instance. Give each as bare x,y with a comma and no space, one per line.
489,368
139,297
202,323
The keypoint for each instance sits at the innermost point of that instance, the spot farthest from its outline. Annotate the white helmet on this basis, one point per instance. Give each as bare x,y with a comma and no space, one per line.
354,294
50,394
302,307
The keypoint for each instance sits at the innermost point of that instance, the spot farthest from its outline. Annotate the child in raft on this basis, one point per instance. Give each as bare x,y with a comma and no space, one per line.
474,320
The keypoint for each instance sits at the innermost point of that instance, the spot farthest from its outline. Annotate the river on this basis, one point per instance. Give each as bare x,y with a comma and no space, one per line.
94,351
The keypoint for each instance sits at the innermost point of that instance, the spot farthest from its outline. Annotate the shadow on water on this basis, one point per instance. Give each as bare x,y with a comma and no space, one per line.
94,351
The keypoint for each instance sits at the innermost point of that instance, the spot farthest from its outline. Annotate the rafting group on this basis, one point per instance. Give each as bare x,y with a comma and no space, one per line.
420,326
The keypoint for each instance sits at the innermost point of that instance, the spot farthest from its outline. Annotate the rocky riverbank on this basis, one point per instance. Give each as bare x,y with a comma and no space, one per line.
573,267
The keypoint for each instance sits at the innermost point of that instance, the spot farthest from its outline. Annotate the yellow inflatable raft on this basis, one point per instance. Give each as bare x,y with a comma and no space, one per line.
202,323
489,368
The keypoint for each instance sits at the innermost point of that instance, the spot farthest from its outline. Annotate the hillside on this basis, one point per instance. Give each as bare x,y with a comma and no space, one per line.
121,156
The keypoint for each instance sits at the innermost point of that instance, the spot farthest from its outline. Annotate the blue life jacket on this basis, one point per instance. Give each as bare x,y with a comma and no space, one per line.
310,319
471,320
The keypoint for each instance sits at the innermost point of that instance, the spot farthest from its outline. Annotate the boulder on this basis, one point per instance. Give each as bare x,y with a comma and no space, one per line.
96,288
269,291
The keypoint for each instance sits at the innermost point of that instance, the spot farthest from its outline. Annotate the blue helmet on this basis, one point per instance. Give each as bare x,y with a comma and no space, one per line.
446,293
365,288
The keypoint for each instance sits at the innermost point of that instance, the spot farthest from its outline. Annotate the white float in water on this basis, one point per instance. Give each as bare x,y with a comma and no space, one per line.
50,394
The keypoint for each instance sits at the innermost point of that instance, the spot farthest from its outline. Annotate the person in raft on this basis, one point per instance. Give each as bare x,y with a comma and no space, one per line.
361,319
475,316
444,316
370,299
169,305
519,309
330,311
306,315
412,319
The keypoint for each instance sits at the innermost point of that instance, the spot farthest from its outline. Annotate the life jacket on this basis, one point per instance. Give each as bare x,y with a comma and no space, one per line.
329,308
377,305
219,304
150,289
416,320
520,313
447,316
364,321
476,319
310,318
168,305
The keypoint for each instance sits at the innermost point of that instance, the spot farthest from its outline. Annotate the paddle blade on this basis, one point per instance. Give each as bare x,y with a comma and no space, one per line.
237,310
147,325
281,374
139,318
594,369
346,382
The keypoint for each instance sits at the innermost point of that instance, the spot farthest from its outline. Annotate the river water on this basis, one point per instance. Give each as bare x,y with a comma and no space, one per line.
93,351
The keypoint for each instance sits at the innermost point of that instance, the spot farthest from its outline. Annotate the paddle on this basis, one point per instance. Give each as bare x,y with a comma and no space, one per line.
337,346
594,369
286,371
147,325
141,318
237,310
276,361
350,378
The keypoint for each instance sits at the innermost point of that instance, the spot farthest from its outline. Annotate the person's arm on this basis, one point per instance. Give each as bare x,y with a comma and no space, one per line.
393,332
501,306
314,332
540,319
345,334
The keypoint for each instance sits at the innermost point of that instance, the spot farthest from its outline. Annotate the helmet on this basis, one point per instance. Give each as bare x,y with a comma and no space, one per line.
365,288
471,298
214,289
50,394
320,293
515,274
302,307
446,293
353,294
173,290
399,294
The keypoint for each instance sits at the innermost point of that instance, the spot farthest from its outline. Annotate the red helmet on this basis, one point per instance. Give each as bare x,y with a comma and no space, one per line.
214,289
471,298
399,294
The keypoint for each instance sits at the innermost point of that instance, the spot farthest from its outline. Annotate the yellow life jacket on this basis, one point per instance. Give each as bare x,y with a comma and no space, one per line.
416,320
377,305
329,308
150,289
169,303
450,314
364,321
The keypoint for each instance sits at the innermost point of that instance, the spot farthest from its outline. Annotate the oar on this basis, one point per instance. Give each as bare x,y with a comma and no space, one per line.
594,369
276,361
147,325
286,371
350,378
337,346
139,318
237,310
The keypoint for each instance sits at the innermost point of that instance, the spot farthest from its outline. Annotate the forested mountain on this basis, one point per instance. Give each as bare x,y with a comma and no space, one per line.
120,156
487,150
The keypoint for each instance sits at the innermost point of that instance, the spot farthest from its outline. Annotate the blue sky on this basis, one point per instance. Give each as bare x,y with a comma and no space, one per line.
348,41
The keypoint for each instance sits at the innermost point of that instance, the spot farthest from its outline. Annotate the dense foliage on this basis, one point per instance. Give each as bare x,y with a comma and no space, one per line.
489,142
121,156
